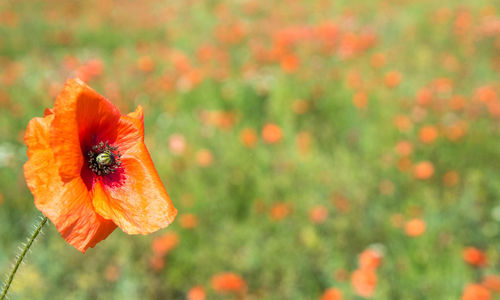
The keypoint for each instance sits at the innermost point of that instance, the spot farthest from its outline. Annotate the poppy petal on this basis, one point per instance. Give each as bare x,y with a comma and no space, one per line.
137,201
67,205
82,117
130,130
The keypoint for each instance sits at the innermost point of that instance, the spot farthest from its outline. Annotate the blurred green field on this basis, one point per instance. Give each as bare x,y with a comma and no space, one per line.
292,136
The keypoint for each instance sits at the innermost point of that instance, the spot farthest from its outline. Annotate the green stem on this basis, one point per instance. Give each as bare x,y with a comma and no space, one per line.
21,256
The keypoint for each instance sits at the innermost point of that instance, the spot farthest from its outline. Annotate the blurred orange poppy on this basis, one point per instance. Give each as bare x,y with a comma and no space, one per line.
89,170
360,99
492,282
188,221
164,244
415,227
404,148
428,134
272,133
474,256
364,282
392,79
204,157
370,259
279,211
248,137
318,214
331,294
423,170
196,293
228,282
476,292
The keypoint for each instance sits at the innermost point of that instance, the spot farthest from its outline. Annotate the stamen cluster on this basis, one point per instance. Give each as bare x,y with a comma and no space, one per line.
104,159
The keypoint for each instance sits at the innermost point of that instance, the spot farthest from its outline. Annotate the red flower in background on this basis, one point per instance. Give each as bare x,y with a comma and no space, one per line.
228,282
474,256
89,170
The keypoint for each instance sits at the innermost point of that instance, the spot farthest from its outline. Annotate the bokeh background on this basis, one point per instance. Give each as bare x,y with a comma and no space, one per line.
314,149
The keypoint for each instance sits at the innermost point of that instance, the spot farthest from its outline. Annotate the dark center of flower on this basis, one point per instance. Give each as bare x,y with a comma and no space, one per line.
104,159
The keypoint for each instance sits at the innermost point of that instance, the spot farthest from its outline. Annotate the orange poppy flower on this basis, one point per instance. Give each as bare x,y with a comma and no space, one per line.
476,292
196,293
89,170
415,227
364,282
370,259
491,282
188,221
272,133
331,294
392,79
279,211
248,137
474,256
318,214
204,157
404,148
164,244
360,100
423,170
428,134
228,282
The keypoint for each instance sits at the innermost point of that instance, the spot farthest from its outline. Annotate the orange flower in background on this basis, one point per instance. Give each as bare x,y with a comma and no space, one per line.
228,282
145,64
491,282
272,133
196,293
474,257
476,292
370,259
404,148
402,123
279,211
204,157
423,170
424,96
289,63
415,227
331,294
364,282
248,137
428,134
188,221
165,243
392,79
360,100
89,170
318,214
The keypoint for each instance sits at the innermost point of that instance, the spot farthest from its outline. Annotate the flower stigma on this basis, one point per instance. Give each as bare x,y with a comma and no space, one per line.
104,159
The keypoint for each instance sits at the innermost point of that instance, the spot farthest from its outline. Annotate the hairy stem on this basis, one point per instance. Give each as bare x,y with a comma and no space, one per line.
21,257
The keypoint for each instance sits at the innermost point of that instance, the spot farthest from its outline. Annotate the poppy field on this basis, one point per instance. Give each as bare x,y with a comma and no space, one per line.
328,150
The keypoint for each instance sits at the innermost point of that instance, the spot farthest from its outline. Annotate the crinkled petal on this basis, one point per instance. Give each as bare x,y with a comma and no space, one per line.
137,201
130,130
68,205
82,118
